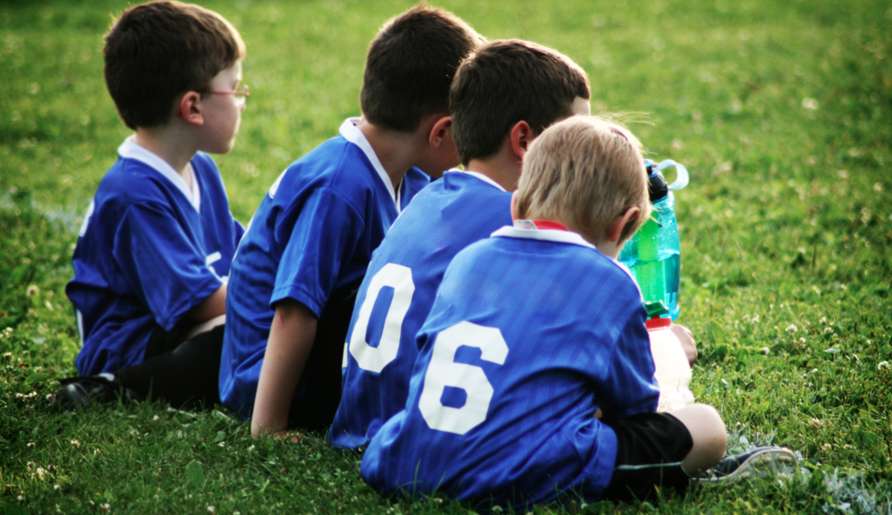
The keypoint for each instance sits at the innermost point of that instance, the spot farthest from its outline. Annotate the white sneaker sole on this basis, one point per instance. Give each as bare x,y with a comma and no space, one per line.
770,461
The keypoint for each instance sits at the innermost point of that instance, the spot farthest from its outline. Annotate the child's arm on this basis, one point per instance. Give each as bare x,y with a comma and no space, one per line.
159,257
210,313
290,341
211,307
320,239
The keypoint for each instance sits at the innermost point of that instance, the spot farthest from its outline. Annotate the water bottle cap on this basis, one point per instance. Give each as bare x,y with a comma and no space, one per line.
657,188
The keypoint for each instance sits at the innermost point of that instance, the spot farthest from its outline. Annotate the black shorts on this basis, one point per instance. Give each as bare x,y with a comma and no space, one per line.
650,448
183,373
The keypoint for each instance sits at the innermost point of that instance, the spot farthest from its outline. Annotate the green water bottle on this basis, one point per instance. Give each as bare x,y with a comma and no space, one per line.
653,254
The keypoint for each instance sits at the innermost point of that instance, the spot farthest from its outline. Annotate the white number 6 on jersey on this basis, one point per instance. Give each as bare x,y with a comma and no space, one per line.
443,371
374,359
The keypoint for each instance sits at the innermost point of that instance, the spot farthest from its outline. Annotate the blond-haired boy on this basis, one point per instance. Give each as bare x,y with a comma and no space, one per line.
533,332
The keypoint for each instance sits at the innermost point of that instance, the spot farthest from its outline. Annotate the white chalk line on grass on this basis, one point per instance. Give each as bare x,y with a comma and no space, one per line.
67,218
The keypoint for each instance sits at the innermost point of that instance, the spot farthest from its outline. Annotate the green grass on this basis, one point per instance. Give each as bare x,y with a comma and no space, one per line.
780,110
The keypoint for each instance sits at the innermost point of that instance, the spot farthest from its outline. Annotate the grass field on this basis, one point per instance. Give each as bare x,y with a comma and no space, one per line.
781,110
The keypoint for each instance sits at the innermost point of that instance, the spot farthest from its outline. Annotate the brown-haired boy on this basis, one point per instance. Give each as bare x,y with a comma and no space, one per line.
532,332
502,97
155,246
296,273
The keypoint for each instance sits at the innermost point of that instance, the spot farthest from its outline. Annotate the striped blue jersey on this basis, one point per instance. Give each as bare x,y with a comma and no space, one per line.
310,241
397,293
531,332
150,249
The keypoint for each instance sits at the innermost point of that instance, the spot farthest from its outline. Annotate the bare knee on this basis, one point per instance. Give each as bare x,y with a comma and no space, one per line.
707,433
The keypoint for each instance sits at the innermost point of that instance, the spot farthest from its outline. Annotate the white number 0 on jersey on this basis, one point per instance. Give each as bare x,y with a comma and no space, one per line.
374,359
443,371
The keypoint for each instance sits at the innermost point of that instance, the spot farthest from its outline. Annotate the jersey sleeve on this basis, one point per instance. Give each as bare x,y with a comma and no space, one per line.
630,387
158,258
321,242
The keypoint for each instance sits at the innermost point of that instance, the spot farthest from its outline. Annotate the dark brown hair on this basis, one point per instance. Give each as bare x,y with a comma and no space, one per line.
505,82
410,65
156,51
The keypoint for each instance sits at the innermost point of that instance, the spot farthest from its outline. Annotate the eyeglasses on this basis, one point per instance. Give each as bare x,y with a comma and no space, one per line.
241,93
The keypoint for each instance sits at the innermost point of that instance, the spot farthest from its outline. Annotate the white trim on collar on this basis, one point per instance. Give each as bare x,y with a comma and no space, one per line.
130,149
526,229
350,131
478,175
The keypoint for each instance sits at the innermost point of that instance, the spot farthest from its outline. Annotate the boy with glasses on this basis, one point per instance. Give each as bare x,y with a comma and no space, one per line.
153,254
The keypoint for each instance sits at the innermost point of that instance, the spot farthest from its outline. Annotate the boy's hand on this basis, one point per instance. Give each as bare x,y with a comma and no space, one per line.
686,338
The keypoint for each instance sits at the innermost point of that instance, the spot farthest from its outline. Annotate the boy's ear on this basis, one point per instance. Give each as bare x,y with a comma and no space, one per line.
519,138
617,231
189,108
439,131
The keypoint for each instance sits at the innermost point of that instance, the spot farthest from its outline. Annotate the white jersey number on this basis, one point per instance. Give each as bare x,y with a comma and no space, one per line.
374,359
443,371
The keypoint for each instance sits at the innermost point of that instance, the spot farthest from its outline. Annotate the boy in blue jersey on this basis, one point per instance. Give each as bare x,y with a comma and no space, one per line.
153,253
534,376
296,272
502,97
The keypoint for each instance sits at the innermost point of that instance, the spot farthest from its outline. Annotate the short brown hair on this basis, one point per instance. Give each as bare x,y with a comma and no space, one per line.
586,172
410,65
505,82
159,50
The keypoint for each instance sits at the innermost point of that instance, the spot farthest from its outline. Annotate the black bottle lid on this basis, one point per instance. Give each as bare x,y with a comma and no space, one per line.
656,184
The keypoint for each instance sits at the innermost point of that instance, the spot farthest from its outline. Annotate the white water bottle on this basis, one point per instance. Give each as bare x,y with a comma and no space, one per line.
673,372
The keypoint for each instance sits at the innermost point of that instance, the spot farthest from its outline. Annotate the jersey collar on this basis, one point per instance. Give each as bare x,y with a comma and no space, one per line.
479,176
526,229
130,149
350,131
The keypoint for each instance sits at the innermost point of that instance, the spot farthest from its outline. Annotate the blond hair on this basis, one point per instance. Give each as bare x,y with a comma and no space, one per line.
586,172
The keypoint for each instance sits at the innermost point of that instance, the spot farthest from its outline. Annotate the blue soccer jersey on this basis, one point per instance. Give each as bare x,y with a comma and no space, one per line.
310,241
150,249
397,293
531,332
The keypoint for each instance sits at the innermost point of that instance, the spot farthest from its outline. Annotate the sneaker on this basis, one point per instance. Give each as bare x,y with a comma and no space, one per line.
80,392
757,462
